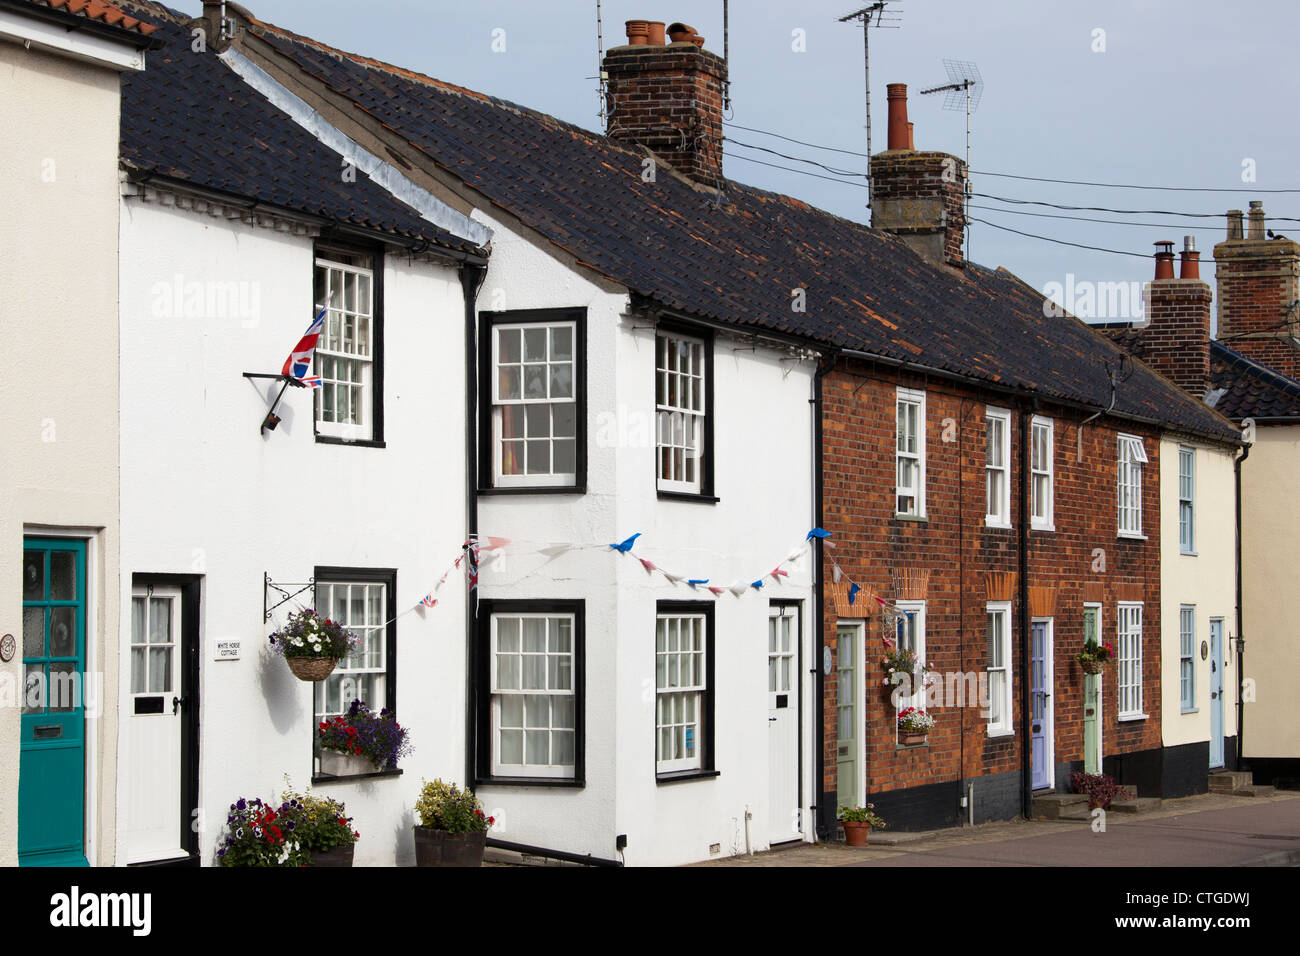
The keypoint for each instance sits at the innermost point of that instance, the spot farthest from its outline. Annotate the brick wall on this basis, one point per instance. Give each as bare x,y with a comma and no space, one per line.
669,99
1176,340
918,196
958,550
1258,280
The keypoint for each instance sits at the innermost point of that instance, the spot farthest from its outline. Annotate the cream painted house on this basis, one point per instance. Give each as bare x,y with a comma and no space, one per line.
1197,613
59,473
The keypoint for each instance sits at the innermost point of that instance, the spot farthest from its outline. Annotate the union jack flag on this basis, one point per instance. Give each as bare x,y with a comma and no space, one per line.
429,601
298,364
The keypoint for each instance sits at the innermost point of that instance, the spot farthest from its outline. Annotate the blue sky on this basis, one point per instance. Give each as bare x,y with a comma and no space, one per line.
1183,94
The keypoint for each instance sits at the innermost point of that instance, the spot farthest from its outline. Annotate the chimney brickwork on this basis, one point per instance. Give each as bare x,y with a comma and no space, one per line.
1176,339
1258,283
917,194
669,100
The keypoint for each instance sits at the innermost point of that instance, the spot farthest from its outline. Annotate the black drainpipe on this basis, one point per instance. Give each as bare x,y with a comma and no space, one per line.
471,280
824,814
1241,635
1022,542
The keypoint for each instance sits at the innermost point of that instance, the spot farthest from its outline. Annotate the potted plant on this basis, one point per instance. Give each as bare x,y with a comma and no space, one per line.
913,726
1094,657
322,827
1100,788
858,822
259,835
361,741
312,646
453,828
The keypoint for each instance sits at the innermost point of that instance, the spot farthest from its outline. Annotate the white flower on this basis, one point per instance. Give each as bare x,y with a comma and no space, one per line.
297,642
316,648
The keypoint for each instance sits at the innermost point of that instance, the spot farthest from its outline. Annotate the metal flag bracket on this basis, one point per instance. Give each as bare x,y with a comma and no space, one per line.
272,419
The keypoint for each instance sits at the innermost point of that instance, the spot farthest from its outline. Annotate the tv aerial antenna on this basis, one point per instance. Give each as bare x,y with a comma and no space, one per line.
873,15
964,88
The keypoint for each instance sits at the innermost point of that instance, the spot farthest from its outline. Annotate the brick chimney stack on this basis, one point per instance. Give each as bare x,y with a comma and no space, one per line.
667,97
918,195
1176,338
1258,285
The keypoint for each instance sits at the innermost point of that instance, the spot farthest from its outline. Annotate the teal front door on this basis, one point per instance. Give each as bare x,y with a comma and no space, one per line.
52,768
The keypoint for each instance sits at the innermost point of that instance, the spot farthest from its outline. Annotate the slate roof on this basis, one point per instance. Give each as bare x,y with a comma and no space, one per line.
1251,390
96,10
190,118
737,262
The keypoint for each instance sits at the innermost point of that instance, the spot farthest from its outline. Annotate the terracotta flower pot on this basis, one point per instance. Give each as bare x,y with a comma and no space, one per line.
855,832
638,32
443,848
913,738
312,669
334,856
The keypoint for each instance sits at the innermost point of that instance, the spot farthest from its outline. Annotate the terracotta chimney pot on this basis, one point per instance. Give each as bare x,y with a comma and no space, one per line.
1190,265
1164,259
657,33
899,129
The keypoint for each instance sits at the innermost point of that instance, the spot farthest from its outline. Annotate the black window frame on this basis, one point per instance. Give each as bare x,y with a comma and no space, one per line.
708,758
480,697
706,494
321,249
488,321
334,574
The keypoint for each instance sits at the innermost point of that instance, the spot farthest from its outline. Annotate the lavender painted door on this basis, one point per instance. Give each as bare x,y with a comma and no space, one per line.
1040,707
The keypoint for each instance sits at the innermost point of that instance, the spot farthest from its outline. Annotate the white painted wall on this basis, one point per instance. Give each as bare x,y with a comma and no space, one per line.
763,478
204,493
1206,580
1270,541
59,392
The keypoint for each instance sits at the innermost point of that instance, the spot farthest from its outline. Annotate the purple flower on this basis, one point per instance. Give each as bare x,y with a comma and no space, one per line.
242,804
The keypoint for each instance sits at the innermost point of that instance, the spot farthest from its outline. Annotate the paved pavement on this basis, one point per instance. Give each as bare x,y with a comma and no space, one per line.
1205,830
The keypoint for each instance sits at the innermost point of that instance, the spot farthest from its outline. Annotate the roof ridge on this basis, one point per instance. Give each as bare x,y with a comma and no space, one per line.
1283,381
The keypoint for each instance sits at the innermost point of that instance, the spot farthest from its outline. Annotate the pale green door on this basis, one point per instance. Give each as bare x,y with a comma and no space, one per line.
1092,697
848,715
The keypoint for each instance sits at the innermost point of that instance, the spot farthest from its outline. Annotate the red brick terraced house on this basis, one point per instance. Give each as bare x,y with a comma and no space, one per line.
994,500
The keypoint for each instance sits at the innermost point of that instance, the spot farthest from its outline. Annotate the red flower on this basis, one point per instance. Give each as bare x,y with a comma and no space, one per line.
357,835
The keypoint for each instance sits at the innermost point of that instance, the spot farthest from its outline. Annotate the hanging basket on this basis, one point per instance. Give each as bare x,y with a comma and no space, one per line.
312,669
1092,667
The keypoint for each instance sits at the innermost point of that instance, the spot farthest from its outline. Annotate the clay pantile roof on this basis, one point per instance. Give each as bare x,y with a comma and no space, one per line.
99,11
1247,389
189,118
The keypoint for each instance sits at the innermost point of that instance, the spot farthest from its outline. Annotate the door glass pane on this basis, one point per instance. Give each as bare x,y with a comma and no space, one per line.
63,635
137,670
160,669
63,692
160,621
63,576
33,575
33,632
33,688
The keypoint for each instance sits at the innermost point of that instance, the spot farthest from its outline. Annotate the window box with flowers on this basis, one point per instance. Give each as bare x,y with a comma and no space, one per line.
453,827
905,670
312,646
913,726
361,742
1094,657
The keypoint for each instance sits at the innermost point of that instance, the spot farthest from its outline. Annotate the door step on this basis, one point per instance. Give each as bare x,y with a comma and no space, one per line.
1250,791
1224,781
1055,806
1136,805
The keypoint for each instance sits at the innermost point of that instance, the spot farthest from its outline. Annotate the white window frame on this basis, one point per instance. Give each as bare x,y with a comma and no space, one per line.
362,428
694,419
1042,509
1186,500
1128,659
857,706
1000,515
992,611
348,668
526,769
1187,658
551,479
910,398
148,595
916,610
700,689
1130,457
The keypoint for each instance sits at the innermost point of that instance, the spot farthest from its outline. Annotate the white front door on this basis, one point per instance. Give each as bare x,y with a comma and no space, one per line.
151,777
783,723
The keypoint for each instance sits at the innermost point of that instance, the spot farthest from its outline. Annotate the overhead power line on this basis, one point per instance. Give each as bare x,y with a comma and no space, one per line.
1121,212
1038,179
